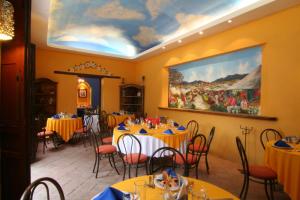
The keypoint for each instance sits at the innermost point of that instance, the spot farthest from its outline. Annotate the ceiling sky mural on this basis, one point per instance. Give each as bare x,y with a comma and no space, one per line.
127,28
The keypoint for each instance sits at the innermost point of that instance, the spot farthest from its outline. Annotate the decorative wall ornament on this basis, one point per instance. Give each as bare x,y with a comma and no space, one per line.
224,83
6,20
90,65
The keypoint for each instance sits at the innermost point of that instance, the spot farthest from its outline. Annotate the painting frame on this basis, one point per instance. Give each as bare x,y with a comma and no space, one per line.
82,93
246,102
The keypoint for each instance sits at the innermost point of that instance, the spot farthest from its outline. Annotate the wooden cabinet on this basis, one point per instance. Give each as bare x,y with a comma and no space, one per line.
132,99
44,97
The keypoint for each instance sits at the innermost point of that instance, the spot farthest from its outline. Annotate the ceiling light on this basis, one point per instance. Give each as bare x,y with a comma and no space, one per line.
80,80
6,20
229,21
200,32
163,47
179,41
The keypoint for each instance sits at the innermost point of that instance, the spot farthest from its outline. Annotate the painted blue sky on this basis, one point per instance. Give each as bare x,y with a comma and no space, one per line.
210,69
129,27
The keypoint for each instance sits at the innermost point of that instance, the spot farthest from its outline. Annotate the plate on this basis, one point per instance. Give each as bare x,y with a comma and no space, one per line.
282,147
159,184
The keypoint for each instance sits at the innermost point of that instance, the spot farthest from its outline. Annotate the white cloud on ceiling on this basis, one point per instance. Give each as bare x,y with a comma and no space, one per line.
114,10
97,35
146,36
188,22
155,6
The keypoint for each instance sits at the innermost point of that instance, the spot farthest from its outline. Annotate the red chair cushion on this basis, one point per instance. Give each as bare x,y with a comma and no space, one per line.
46,133
262,172
196,148
133,158
107,140
190,160
81,130
106,149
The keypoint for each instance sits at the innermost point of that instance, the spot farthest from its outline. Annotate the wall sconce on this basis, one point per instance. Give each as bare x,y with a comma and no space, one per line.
6,20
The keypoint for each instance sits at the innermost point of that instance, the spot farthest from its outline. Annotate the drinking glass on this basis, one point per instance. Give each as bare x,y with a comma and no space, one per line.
139,189
199,194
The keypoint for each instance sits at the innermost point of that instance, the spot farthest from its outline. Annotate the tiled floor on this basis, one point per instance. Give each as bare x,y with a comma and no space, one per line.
71,166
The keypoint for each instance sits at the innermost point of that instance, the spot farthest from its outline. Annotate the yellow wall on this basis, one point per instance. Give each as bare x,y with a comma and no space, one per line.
48,61
280,80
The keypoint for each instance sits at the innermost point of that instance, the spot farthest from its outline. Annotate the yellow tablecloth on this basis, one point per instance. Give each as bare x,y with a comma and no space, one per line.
119,118
173,140
65,127
287,165
212,190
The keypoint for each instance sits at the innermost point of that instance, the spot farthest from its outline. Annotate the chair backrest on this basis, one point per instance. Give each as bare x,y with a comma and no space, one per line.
210,138
193,127
112,122
196,147
29,191
269,134
129,144
165,157
243,156
94,138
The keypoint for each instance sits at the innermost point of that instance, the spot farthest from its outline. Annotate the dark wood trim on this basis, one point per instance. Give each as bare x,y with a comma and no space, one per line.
86,75
260,117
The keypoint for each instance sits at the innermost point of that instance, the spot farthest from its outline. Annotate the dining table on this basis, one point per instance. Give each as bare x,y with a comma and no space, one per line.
286,163
154,138
212,191
64,127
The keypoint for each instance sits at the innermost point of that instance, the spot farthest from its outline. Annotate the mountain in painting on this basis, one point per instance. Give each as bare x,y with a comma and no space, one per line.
231,78
251,81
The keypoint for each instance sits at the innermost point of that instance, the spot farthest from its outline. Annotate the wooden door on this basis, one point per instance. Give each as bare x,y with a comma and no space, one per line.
15,106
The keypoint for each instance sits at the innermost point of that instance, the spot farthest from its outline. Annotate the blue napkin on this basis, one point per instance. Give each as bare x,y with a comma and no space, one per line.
122,128
168,131
175,124
109,193
121,124
74,116
116,113
56,116
143,131
281,143
171,172
181,128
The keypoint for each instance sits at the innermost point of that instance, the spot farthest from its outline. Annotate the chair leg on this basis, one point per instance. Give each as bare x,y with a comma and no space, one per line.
129,168
266,189
98,161
124,171
109,157
244,192
113,160
196,168
272,189
136,170
206,162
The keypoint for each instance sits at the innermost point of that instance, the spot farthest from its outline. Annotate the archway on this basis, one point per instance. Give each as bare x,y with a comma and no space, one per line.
84,94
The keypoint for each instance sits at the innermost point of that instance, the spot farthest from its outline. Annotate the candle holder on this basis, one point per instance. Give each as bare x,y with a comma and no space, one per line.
245,131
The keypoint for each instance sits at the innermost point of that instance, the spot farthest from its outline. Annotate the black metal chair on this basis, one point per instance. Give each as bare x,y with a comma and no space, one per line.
194,151
42,134
102,151
255,173
29,191
193,128
207,147
108,131
84,132
165,157
269,134
129,148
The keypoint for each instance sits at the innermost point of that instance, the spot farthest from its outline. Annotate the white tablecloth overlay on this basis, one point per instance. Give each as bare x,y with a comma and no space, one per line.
149,144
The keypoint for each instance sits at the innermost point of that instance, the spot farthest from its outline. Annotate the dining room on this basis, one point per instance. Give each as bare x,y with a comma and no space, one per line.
151,100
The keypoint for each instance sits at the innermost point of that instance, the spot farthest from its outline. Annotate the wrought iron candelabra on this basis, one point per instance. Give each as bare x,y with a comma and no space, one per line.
245,131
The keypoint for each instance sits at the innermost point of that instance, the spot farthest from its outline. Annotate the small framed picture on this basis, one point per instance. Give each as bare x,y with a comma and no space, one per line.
82,93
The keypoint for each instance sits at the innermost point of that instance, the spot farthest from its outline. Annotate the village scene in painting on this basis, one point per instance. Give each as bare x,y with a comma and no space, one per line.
225,83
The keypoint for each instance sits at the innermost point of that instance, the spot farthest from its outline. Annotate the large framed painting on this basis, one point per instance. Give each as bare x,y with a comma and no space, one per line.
227,83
